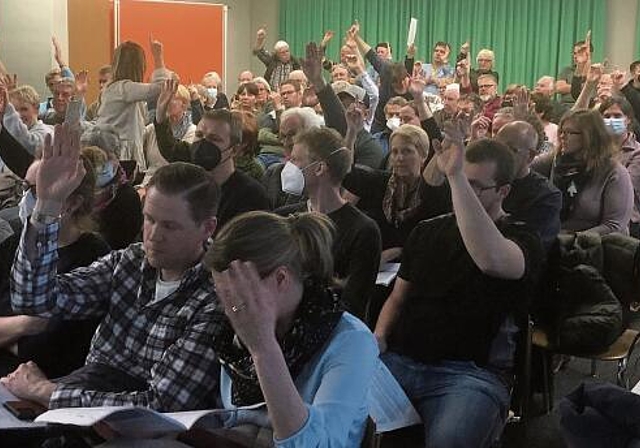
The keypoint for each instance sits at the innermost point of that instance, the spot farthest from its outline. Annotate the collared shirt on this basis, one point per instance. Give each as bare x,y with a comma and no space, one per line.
166,344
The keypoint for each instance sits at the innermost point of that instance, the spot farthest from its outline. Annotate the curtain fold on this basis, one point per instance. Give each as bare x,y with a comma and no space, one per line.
530,38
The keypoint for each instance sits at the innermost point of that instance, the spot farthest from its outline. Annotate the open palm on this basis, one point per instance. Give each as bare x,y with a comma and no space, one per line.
61,170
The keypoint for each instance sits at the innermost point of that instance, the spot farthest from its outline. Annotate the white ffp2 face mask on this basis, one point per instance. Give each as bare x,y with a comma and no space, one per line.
292,179
393,123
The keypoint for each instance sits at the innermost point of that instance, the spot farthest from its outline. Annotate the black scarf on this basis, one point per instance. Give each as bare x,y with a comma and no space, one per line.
569,175
318,314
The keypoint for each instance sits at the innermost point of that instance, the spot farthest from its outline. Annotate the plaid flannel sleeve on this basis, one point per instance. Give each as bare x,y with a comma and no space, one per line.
182,380
37,289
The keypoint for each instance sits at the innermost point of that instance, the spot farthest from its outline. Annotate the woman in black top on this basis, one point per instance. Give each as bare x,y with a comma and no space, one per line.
57,346
398,199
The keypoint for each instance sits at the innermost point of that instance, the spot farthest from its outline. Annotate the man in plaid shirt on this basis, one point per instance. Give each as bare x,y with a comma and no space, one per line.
153,346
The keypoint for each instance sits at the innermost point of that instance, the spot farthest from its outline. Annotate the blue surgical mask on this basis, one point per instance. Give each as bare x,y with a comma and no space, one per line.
26,206
105,175
212,92
617,126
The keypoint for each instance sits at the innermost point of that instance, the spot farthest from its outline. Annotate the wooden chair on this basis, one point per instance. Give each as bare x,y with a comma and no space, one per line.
620,351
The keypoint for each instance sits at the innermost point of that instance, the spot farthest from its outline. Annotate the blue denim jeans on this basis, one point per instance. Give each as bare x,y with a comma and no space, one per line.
461,404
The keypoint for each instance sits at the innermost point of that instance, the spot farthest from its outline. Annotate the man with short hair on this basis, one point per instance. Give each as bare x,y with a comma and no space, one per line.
451,320
488,92
320,156
21,118
438,73
53,76
105,74
450,110
291,94
279,64
292,122
484,60
394,78
383,50
63,91
532,199
158,306
546,86
631,90
565,82
218,135
245,76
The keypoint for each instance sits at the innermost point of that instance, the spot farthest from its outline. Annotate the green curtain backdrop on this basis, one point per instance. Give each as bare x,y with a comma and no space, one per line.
531,38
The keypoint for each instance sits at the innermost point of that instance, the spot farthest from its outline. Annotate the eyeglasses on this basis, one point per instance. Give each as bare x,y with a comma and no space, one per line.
485,86
568,132
484,60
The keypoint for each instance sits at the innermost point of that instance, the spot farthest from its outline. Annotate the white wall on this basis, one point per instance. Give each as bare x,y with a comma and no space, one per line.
621,33
26,27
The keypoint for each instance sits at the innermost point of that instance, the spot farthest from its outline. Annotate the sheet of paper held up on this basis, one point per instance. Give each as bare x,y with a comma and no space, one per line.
387,273
413,27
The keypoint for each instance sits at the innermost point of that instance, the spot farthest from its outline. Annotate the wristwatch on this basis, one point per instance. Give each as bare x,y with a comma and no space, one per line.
44,219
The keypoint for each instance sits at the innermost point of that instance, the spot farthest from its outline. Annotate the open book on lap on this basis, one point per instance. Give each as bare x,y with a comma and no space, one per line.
139,422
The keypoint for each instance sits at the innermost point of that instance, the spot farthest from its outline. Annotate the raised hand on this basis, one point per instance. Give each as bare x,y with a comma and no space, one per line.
169,89
355,63
10,81
82,82
261,34
450,153
411,51
57,52
4,99
462,68
480,127
618,78
417,86
521,103
328,35
464,49
276,99
355,117
250,303
312,65
61,169
157,51
594,73
353,31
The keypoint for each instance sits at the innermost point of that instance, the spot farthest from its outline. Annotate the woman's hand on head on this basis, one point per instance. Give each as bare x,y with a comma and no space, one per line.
250,303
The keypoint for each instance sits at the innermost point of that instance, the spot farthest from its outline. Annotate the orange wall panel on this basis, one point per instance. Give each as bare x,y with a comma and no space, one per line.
192,34
90,38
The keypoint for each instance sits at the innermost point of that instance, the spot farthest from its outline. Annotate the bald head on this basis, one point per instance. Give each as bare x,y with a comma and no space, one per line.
522,139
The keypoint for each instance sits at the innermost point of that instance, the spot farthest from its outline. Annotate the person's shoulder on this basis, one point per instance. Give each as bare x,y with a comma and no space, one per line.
358,221
352,329
241,180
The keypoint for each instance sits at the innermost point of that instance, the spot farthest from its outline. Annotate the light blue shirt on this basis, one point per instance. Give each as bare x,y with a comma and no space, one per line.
334,385
445,71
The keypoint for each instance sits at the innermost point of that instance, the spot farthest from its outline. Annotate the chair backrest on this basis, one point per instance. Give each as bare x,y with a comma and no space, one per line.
622,267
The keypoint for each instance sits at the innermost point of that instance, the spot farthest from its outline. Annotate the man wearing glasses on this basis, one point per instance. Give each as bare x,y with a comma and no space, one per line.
450,322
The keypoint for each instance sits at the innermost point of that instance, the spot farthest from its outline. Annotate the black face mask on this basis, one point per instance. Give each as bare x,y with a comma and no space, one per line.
206,154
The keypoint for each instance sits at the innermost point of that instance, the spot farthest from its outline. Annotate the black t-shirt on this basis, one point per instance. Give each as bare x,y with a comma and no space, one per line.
453,311
240,193
64,345
534,201
371,186
121,221
356,253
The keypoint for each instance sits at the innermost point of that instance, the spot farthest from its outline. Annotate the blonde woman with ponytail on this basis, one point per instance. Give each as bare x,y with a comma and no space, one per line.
288,341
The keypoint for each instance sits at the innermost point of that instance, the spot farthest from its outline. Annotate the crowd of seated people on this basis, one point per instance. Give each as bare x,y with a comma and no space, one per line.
170,247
